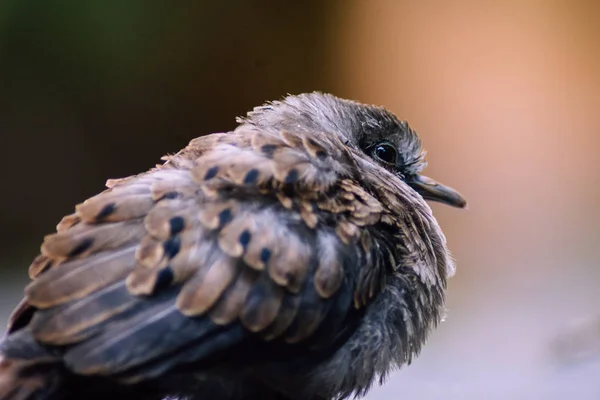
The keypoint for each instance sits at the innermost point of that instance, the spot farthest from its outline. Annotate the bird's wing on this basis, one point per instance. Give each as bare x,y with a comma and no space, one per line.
240,235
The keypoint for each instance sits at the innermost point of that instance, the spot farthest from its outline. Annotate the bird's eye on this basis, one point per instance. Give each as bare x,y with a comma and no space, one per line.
385,152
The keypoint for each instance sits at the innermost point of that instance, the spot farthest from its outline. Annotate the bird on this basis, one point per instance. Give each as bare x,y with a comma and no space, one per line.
293,257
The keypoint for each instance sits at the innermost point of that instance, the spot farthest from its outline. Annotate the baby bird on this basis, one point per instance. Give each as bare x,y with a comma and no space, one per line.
294,258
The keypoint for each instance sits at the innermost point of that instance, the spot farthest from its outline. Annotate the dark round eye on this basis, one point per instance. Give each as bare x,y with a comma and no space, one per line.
385,152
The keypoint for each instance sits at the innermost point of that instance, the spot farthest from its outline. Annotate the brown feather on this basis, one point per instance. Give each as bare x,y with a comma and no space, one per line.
179,183
330,274
308,214
289,262
237,236
150,253
39,265
261,305
346,231
314,148
215,215
307,321
264,143
207,286
230,305
67,222
74,322
184,255
159,221
261,247
116,206
285,316
77,279
84,239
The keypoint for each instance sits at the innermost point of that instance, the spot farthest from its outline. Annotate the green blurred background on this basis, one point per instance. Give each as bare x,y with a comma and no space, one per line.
506,97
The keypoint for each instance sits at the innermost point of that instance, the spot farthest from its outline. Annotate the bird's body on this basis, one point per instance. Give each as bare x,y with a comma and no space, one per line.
293,258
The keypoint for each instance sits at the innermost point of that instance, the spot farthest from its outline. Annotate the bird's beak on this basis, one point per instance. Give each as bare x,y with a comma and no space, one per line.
432,190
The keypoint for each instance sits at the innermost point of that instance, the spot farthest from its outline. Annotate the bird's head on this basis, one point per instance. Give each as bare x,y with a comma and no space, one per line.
377,132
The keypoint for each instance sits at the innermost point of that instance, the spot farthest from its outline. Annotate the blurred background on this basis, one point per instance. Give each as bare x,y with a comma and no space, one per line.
506,97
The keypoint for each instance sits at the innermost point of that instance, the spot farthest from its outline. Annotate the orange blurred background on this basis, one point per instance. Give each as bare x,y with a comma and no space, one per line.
506,97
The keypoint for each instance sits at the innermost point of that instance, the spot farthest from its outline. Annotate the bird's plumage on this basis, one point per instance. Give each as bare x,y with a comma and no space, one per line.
280,260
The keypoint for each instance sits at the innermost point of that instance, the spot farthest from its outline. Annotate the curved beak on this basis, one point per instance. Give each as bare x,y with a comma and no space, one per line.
434,191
